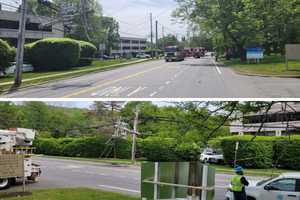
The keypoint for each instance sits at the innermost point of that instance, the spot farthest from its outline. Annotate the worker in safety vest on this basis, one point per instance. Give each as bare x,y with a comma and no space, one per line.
238,183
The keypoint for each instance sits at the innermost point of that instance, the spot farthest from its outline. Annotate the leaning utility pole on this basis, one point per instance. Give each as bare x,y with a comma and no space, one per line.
151,34
156,34
20,48
134,134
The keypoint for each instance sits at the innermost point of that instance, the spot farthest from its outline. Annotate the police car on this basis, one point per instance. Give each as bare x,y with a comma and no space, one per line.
283,187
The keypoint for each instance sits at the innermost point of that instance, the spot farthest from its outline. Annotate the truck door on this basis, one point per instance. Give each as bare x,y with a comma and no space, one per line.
282,189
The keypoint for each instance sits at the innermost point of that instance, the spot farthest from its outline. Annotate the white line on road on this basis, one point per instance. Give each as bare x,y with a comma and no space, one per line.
217,67
168,82
136,91
161,88
153,94
119,188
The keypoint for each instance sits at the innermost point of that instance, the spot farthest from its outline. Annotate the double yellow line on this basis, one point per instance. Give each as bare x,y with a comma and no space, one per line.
102,84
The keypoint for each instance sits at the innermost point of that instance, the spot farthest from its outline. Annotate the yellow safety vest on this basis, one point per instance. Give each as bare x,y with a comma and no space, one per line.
236,184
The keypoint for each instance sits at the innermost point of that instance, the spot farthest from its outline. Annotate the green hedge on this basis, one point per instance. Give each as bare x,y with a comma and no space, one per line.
91,147
7,55
87,53
263,152
54,54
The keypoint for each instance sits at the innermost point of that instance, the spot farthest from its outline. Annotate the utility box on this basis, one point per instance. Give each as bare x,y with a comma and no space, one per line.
177,180
11,166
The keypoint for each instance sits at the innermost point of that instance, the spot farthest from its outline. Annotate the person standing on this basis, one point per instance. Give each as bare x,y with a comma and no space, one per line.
238,184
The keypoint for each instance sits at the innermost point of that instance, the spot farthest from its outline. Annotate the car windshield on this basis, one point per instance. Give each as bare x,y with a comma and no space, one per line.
265,181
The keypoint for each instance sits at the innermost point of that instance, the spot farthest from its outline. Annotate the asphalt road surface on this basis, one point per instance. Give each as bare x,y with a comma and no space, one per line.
192,78
58,173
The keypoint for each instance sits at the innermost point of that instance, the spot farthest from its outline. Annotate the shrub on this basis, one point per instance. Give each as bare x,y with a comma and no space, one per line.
188,151
87,50
123,148
286,154
47,146
7,55
158,149
54,54
256,154
85,147
27,52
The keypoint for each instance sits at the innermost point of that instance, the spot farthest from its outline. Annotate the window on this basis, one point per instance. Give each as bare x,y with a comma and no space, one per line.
298,185
288,185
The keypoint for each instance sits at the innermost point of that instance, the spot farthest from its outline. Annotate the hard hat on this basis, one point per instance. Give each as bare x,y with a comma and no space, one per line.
238,169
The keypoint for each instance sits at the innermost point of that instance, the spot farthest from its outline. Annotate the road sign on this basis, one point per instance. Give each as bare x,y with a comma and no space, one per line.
255,53
292,53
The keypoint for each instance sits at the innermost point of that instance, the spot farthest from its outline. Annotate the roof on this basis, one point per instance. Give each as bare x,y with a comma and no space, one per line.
291,175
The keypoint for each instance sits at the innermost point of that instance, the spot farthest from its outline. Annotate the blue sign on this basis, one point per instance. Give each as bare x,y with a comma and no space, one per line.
255,53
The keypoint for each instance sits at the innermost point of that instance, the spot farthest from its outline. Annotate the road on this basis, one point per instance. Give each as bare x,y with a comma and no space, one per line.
59,173
193,78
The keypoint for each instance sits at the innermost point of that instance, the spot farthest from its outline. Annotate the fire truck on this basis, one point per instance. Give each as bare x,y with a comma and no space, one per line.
16,153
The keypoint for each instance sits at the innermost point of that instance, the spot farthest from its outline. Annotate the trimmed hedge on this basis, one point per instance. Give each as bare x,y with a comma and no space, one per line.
7,55
54,54
87,53
91,147
263,152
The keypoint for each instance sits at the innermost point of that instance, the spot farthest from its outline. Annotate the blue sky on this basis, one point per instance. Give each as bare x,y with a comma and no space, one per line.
133,16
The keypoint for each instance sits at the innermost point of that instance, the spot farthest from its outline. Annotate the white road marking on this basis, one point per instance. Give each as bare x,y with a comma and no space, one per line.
119,188
168,82
161,88
136,91
153,94
217,68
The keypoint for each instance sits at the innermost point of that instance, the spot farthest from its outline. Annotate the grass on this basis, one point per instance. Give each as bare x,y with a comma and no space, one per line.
41,77
102,160
73,194
252,172
270,66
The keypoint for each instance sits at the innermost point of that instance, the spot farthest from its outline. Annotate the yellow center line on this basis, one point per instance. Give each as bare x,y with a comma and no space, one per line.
110,82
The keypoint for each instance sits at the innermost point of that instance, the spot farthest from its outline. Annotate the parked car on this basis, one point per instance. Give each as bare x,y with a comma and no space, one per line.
210,155
283,187
25,68
143,55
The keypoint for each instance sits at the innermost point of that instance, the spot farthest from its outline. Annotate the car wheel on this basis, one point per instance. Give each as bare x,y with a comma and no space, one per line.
250,198
4,183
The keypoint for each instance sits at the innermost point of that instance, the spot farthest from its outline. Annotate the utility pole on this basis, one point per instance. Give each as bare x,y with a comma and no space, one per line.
163,36
156,34
134,134
151,34
21,41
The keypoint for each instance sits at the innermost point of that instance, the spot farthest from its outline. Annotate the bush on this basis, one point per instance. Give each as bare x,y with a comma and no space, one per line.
54,54
7,55
188,151
286,154
87,50
85,147
263,152
27,52
49,146
158,149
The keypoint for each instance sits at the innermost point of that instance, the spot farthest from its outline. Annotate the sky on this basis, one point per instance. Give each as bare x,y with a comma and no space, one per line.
134,16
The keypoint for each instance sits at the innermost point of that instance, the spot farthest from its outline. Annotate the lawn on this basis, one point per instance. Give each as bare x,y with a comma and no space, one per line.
73,194
98,64
270,66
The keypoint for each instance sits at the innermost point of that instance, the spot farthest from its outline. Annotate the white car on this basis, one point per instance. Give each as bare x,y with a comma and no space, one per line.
25,68
143,56
283,187
211,156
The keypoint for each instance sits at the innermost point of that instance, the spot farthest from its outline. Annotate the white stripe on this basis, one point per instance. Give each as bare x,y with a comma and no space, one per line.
154,93
118,188
136,91
217,67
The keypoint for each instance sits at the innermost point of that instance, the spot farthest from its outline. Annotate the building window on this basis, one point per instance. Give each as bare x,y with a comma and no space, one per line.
8,24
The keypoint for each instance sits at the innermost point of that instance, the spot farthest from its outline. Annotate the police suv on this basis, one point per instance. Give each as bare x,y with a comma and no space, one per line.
283,187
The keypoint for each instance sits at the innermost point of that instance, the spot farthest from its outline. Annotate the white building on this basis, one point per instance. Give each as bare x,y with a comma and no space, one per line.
9,27
278,122
130,45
